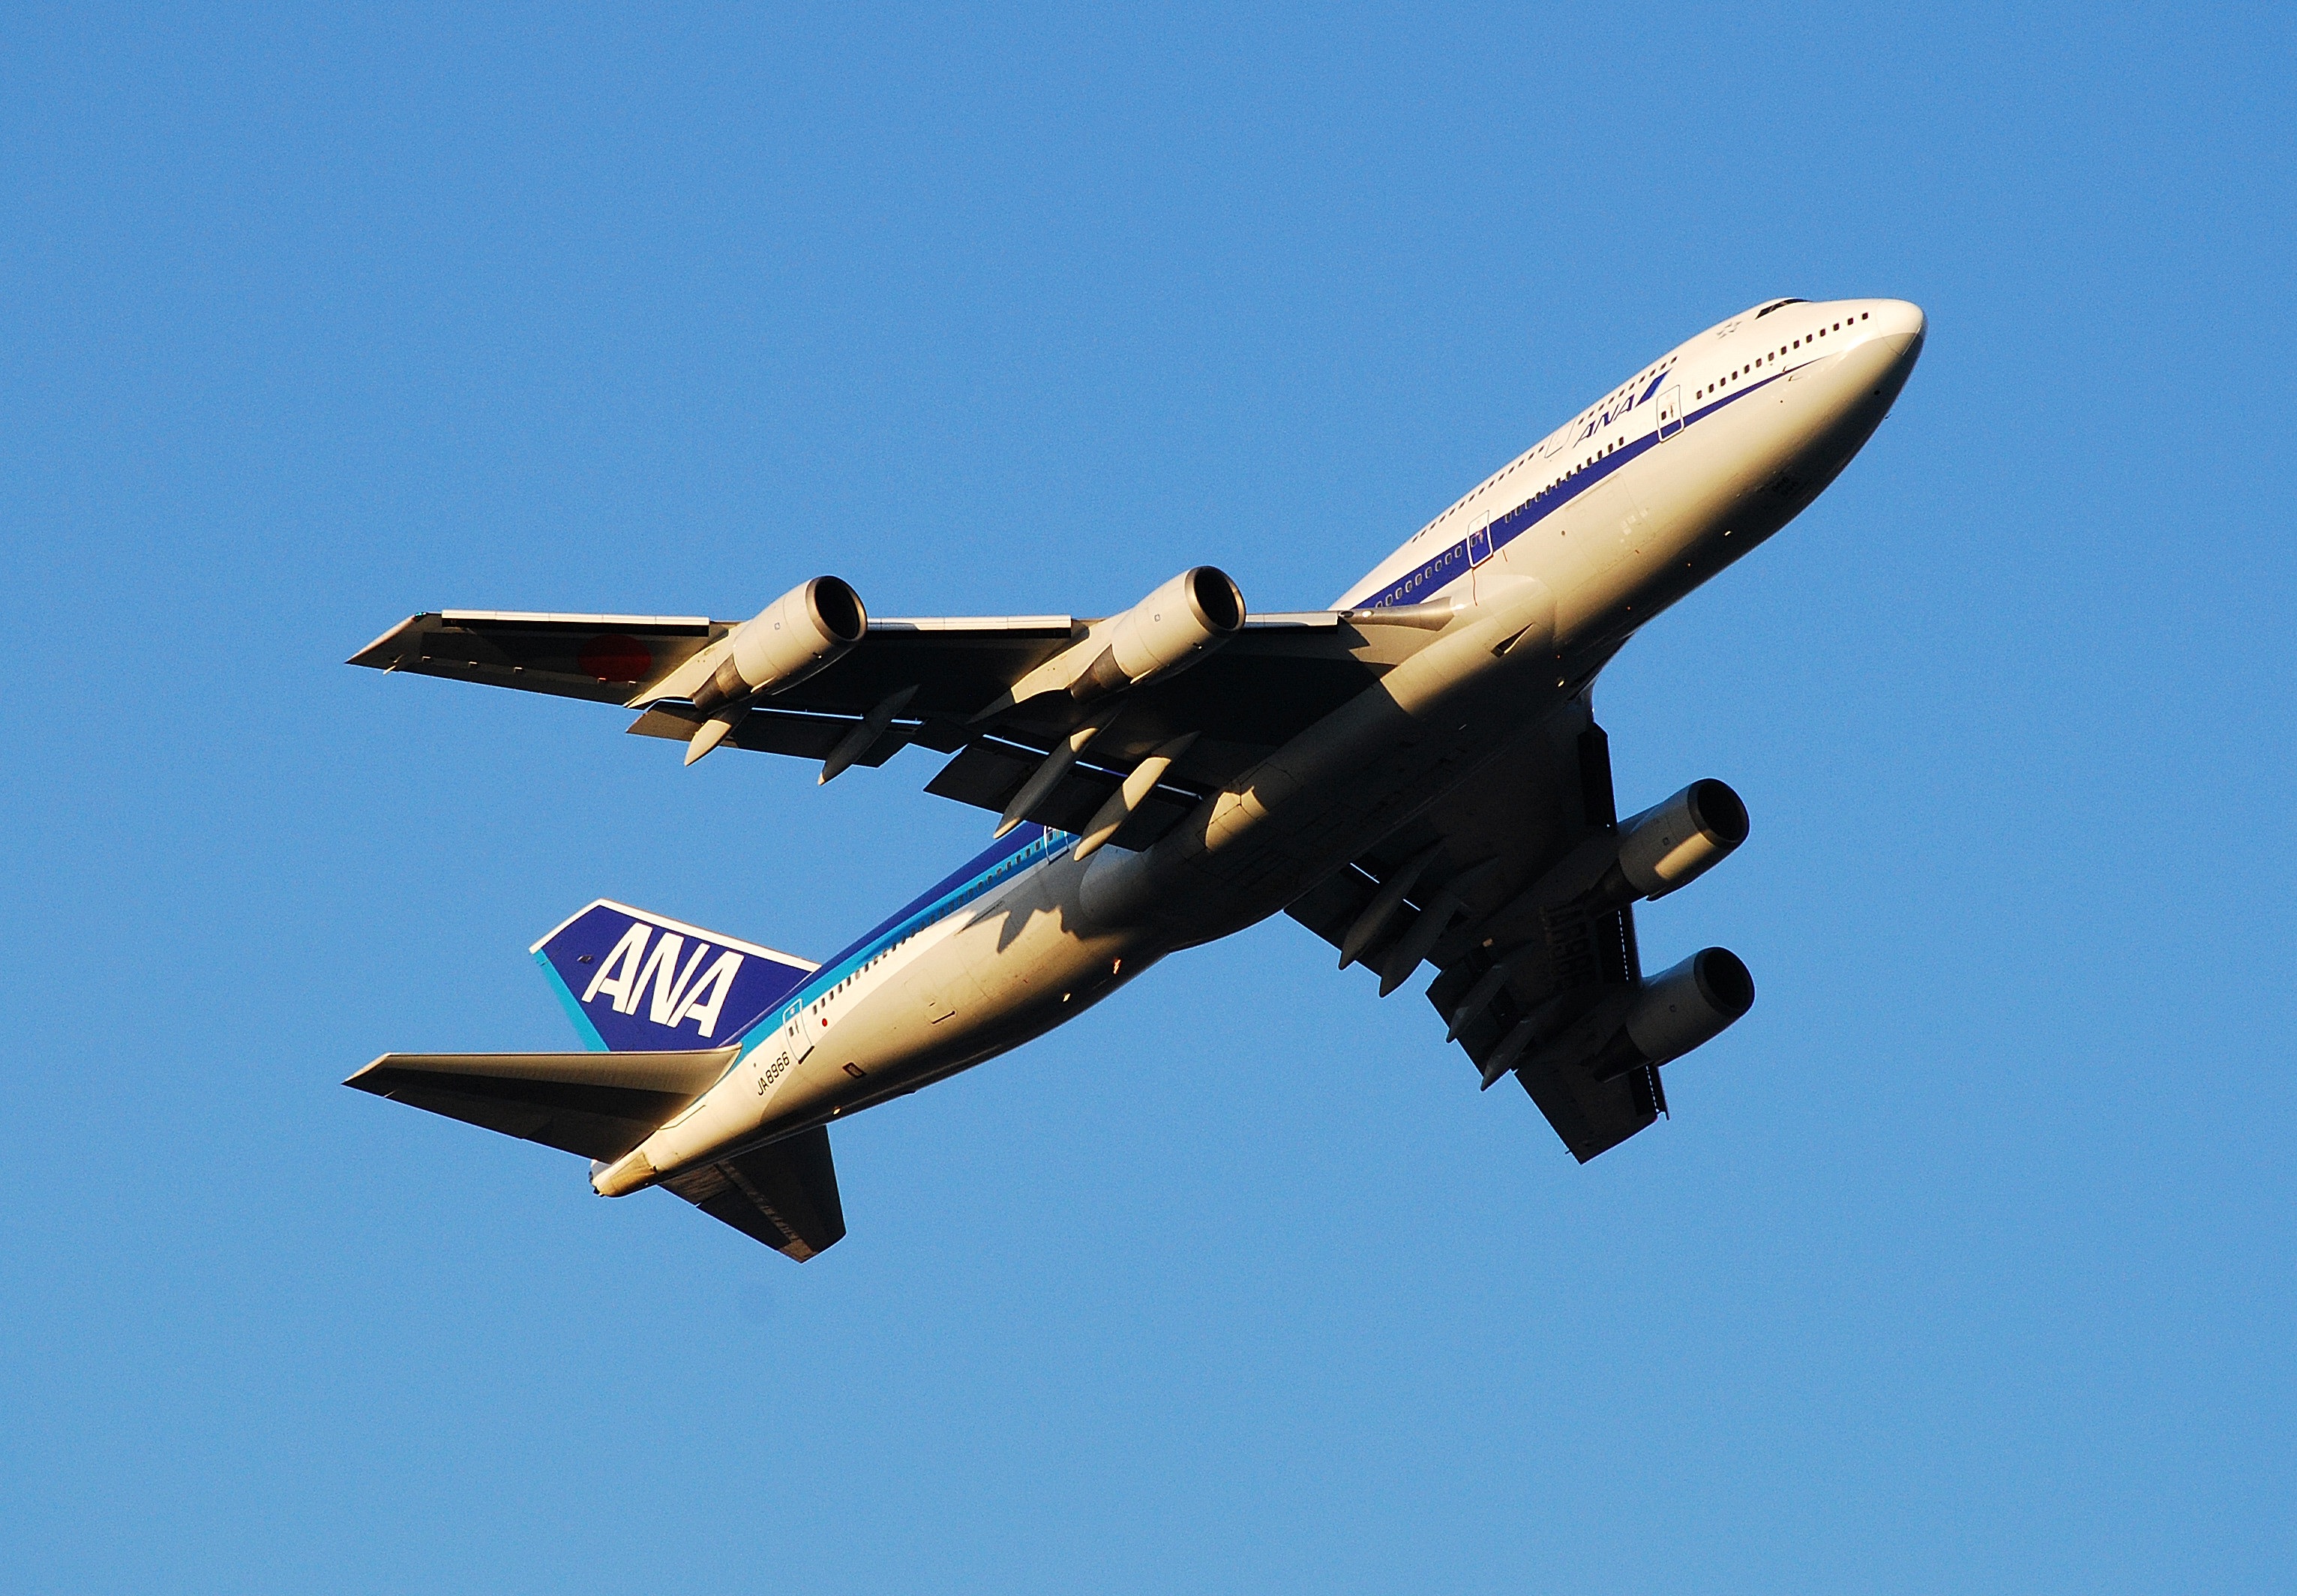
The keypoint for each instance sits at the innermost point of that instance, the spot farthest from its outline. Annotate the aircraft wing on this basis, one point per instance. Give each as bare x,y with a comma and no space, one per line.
929,681
1480,886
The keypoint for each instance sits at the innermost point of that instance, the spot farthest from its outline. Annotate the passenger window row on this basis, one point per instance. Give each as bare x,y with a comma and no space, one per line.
1723,382
1729,377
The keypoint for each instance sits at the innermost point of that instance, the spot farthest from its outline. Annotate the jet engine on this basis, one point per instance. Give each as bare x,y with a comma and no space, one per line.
1172,629
1672,845
1677,1010
805,630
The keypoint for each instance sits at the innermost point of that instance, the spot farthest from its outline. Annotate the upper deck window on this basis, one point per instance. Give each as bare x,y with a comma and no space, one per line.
1777,305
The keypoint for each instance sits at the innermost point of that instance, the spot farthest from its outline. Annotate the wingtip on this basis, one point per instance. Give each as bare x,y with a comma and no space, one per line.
365,1070
364,656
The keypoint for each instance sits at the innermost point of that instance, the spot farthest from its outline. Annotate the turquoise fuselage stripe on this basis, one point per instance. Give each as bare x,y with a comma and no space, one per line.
1006,864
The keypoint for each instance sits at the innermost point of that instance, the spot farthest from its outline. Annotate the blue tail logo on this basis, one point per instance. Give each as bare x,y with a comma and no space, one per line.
635,981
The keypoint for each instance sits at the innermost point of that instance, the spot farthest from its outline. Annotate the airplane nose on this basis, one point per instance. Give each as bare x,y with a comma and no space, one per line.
1898,319
1869,373
1890,332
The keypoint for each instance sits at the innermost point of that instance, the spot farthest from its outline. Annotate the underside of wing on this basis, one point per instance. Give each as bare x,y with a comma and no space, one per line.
603,658
1488,886
947,685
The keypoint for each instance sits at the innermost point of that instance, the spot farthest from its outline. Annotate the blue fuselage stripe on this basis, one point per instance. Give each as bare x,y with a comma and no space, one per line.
1423,582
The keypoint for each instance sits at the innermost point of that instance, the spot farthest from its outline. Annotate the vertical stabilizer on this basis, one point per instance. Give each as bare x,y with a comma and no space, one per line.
635,981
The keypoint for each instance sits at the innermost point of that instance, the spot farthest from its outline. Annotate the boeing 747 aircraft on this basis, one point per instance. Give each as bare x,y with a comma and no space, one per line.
1414,774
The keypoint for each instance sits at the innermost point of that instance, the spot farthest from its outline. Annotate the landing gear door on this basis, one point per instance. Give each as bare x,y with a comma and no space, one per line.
1670,412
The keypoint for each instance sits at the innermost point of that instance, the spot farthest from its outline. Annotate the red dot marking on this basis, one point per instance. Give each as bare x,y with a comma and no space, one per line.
612,658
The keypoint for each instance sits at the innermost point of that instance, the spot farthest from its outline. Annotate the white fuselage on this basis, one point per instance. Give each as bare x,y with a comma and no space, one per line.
1611,518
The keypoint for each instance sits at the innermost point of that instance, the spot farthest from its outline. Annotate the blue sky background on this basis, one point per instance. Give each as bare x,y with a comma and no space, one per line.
1965,1263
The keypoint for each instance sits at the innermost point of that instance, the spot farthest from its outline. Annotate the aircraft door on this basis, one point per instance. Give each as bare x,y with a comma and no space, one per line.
1670,412
796,1039
1479,545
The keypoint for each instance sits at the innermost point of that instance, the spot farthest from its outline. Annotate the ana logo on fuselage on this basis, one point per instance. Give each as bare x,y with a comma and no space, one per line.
678,995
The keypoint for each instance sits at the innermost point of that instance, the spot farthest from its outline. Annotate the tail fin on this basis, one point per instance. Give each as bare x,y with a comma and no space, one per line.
635,981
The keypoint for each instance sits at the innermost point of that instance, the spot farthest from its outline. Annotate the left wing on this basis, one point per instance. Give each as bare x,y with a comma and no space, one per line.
1481,885
938,683
615,658
603,658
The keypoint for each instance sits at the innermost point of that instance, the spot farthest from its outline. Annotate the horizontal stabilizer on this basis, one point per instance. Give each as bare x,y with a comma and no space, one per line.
784,1194
636,982
599,1104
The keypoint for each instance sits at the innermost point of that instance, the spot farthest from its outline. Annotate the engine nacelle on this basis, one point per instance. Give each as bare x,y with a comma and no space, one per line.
1674,843
805,630
1677,1010
1169,630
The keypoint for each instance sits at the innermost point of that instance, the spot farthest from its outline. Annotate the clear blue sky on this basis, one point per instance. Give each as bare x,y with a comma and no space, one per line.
1966,1261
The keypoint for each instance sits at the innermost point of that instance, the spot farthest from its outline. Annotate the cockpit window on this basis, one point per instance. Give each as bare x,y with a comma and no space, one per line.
1777,305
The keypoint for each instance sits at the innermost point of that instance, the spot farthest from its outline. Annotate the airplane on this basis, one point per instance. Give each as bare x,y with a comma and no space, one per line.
1414,773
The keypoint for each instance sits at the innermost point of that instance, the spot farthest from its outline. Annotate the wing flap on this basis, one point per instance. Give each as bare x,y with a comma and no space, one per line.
790,732
984,774
784,1194
989,772
599,1105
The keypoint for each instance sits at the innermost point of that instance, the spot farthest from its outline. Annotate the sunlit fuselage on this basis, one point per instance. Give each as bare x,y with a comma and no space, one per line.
1677,472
